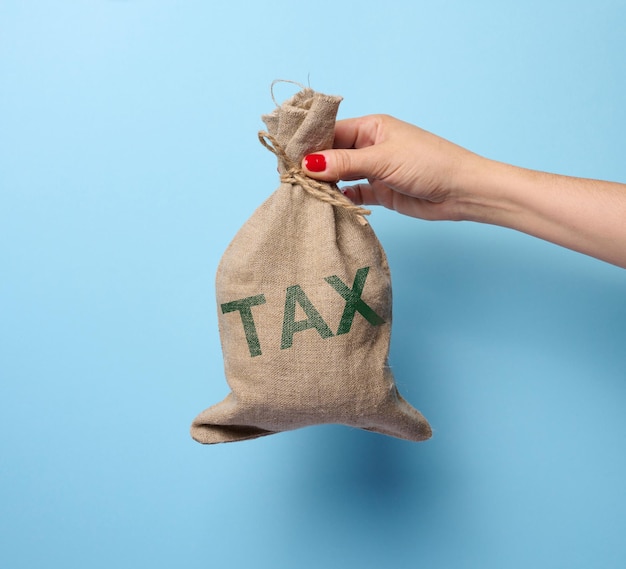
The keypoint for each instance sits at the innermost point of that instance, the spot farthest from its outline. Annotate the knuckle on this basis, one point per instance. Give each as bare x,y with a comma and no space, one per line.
341,163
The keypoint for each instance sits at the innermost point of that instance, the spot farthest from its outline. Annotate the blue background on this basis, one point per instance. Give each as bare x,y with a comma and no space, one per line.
129,159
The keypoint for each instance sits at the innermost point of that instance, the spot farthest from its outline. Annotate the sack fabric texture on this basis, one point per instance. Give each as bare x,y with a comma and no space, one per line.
304,305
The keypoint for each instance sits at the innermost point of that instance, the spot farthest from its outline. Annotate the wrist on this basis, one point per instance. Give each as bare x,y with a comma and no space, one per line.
484,192
580,214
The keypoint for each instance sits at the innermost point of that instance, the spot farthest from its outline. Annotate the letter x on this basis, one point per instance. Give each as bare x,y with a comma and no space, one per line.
354,302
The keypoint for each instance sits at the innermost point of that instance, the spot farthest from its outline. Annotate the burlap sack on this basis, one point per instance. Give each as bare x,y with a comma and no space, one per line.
304,304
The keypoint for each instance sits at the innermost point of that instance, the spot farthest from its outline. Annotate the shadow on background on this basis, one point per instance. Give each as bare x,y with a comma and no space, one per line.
480,326
349,474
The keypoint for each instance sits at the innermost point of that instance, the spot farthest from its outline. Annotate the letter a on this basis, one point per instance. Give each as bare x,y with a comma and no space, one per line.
314,318
353,300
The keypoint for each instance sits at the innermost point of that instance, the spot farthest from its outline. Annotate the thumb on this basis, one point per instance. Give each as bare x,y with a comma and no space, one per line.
337,164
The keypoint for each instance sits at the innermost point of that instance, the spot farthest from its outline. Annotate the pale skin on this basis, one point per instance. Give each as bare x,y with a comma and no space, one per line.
419,174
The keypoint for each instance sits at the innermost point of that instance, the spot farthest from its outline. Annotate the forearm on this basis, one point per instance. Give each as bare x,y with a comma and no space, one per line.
588,216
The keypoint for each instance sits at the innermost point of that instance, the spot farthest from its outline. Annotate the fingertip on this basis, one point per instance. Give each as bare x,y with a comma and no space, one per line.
352,193
317,166
332,165
348,192
361,194
314,163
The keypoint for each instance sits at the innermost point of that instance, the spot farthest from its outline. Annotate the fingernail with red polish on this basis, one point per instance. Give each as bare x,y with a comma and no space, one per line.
315,162
348,192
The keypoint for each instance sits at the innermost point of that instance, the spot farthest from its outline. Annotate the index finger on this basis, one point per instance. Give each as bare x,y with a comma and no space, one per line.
357,132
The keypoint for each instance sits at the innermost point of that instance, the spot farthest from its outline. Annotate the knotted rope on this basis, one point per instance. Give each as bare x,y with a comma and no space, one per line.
324,191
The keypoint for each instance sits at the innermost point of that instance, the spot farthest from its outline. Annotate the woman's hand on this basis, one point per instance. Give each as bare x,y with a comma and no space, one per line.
422,175
408,169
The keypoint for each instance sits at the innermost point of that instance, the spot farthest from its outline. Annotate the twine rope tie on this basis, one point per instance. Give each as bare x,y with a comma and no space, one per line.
324,191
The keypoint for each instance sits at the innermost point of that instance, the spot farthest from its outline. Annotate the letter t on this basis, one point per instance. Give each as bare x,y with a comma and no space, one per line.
244,307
